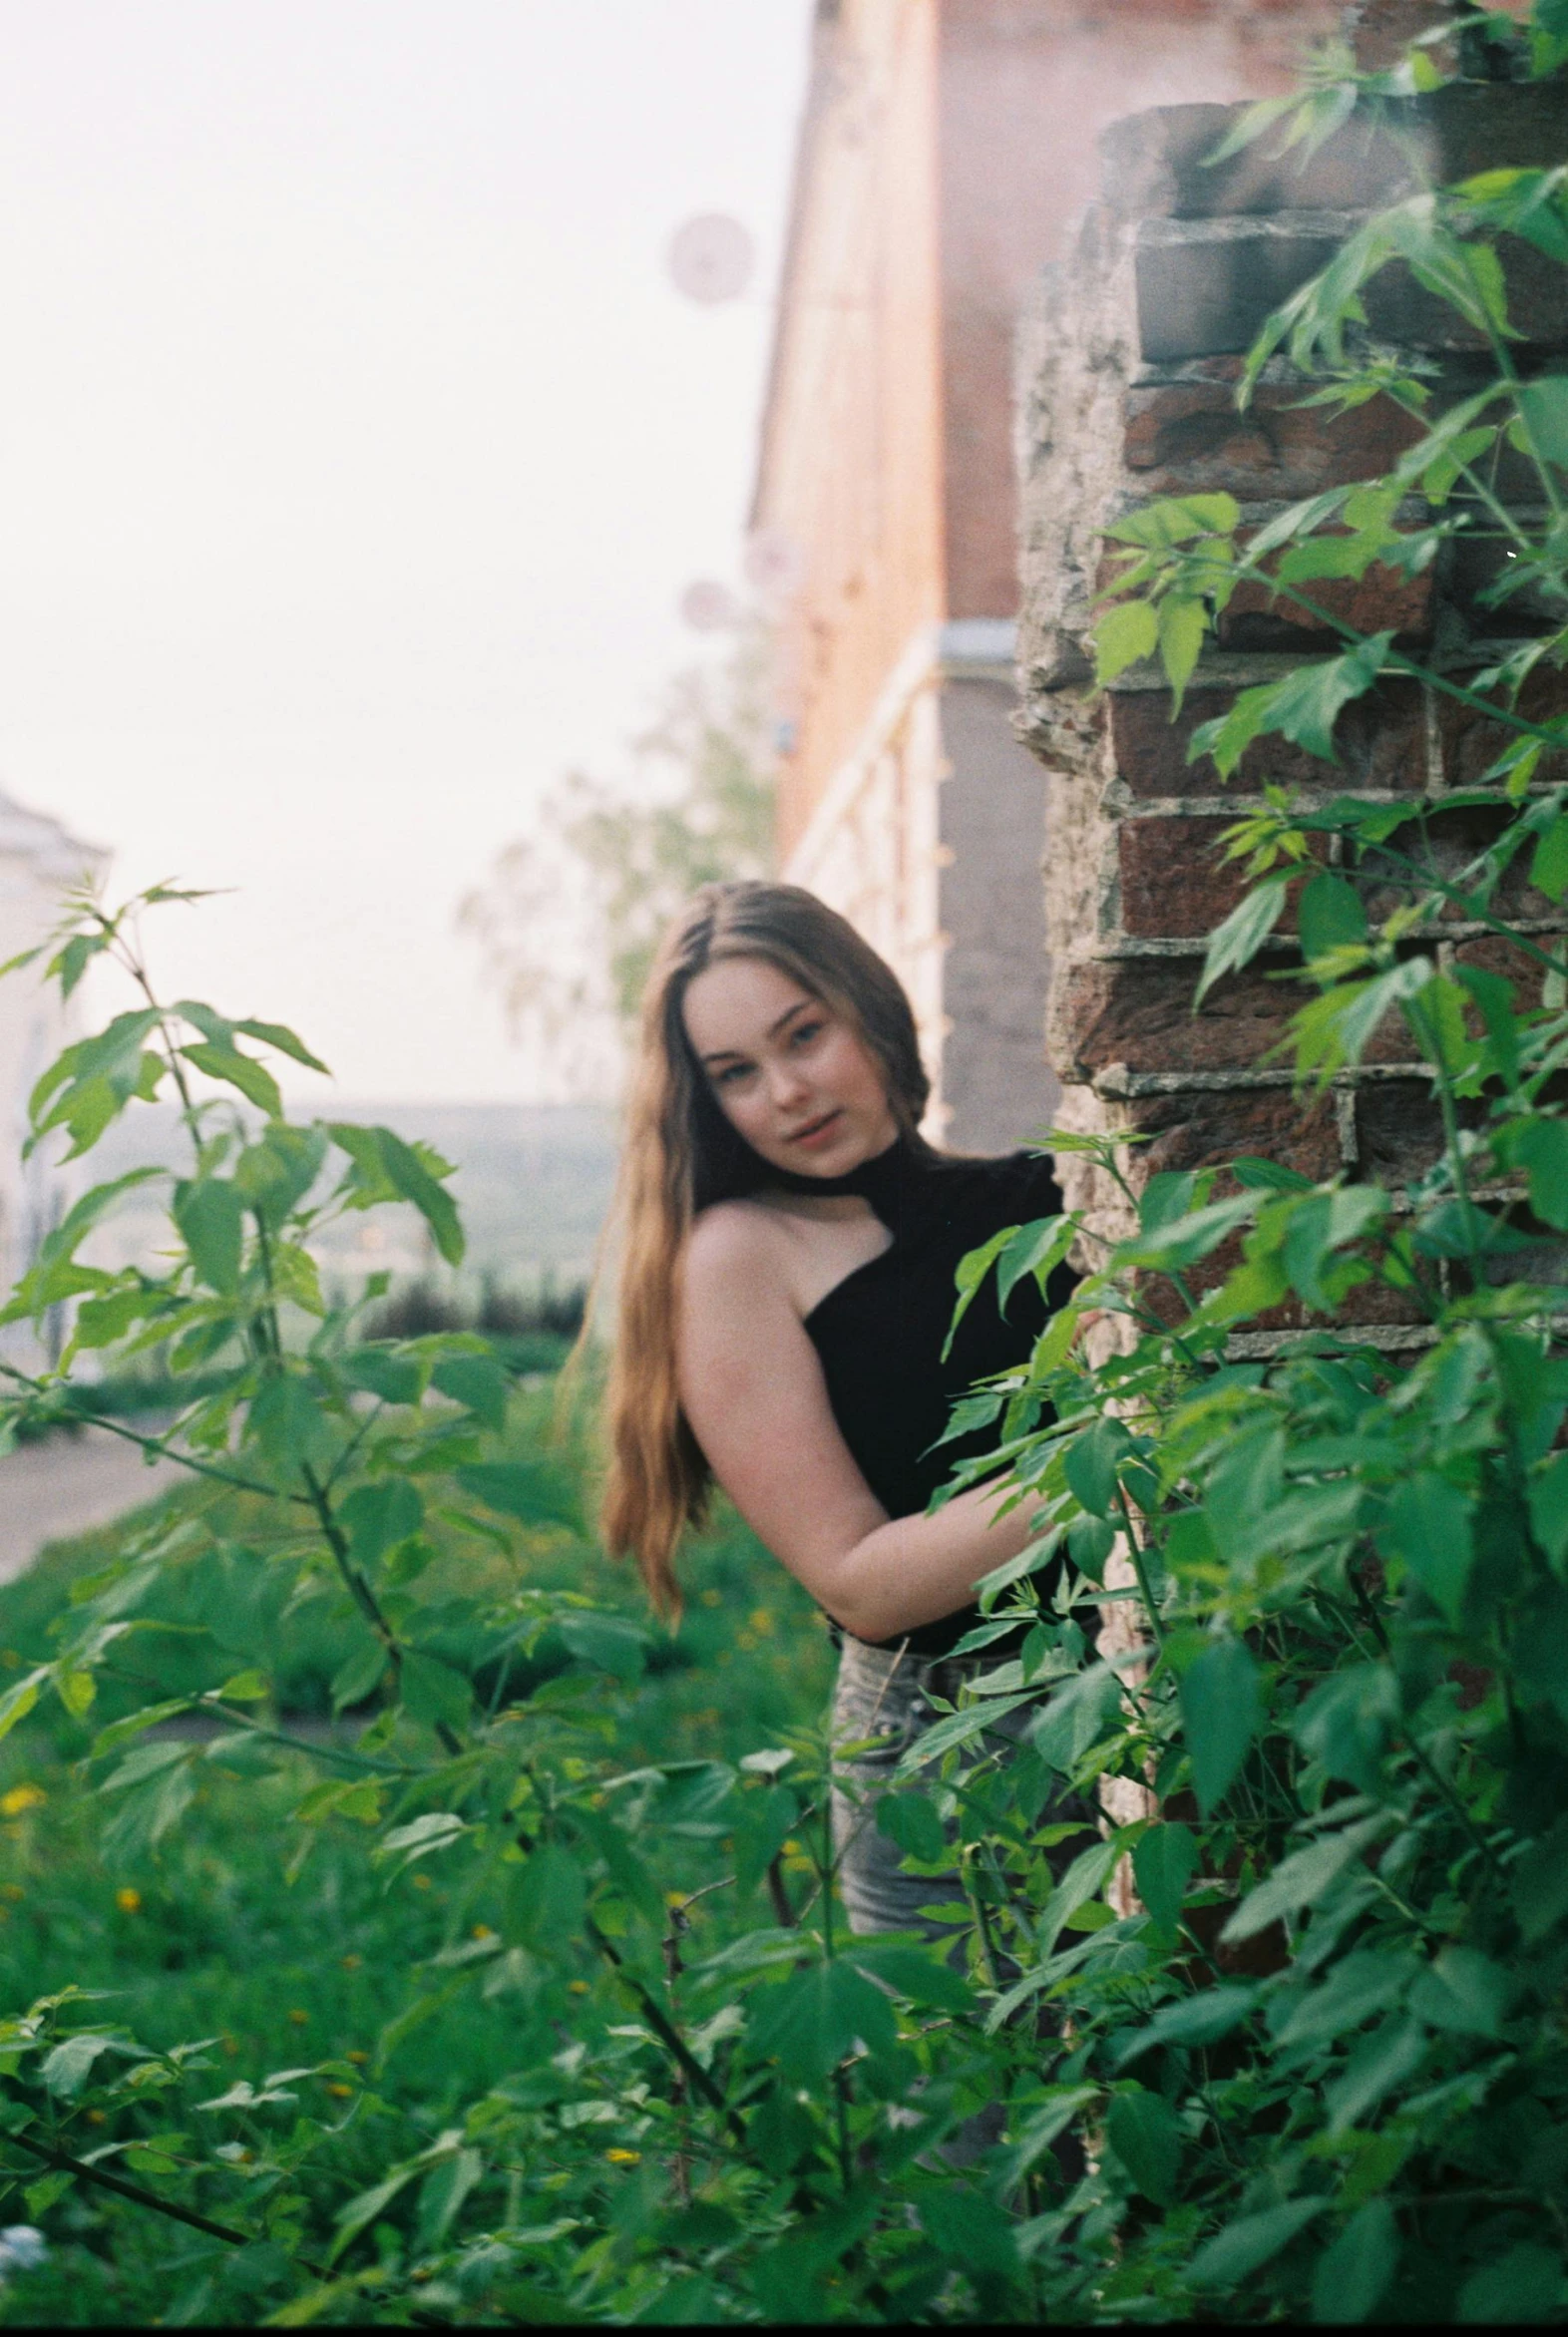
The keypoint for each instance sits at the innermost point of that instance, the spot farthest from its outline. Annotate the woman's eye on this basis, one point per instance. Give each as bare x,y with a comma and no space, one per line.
804,1033
730,1073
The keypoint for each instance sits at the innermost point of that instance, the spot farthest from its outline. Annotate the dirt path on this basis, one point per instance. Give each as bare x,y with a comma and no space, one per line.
66,1485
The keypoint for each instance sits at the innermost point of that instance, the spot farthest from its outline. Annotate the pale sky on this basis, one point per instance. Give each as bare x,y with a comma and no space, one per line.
355,450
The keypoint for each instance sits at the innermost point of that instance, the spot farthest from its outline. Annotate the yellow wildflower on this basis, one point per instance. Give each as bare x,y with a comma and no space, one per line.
483,1931
423,1882
761,1620
352,1963
624,2158
299,2017
343,2092
576,1988
358,2058
128,1901
22,1798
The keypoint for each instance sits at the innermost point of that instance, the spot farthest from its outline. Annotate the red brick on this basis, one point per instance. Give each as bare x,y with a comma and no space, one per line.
1495,956
1398,1128
1208,1131
1188,437
1139,1011
1380,601
1380,739
1173,884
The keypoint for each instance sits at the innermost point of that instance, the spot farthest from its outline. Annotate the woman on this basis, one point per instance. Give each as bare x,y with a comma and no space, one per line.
786,1290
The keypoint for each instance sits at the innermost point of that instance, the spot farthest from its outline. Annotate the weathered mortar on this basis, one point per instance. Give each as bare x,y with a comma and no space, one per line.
1126,375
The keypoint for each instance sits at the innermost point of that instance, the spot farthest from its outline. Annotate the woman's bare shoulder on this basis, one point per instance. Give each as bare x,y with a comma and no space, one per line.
730,1243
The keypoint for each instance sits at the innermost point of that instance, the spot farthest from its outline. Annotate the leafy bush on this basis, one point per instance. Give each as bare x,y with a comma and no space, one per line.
1284,2037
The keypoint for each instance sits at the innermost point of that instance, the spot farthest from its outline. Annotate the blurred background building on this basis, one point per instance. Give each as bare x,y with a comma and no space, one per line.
39,862
945,149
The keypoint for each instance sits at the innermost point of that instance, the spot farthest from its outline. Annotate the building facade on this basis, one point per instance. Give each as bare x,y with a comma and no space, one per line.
945,151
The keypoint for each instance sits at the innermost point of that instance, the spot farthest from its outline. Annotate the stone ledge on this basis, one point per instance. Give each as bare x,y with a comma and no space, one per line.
1153,162
1116,1084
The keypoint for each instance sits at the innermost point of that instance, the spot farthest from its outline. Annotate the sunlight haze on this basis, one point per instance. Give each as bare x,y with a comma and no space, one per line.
357,453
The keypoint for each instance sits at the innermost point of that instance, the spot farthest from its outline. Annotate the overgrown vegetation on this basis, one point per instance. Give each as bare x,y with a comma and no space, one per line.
624,2062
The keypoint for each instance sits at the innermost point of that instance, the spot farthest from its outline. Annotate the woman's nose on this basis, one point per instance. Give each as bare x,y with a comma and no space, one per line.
786,1083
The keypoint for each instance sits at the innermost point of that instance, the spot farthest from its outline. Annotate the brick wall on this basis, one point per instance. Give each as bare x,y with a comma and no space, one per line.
1127,372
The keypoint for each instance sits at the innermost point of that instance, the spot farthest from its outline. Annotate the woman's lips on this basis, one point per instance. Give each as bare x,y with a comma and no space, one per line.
817,1131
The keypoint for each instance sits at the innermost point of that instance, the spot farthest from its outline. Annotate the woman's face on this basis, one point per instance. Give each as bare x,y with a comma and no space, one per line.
791,1076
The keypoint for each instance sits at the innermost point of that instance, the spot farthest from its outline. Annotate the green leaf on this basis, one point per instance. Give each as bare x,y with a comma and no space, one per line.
922,1974
966,2229
287,1422
910,1820
48,2189
1549,868
422,1838
67,2066
212,1221
1354,2275
1141,2129
1244,2246
1236,942
377,1516
1331,916
969,1277
1540,1885
1222,1711
1428,1524
815,2019
529,1491
479,1384
1377,2067
1346,1721
1305,1879
1163,1863
1183,624
1193,2020
277,1034
1091,1463
547,1896
765,1823
1077,1717
1540,1147
366,2208
1090,1541
1525,2285
1123,637
382,1159
608,1642
1463,1991
1269,1176
19,1699
1301,707
1543,407
1548,1500
360,1672
433,1692
254,1081
1036,1249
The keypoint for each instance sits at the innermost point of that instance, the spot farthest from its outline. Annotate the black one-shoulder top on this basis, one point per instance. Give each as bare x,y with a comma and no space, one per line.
879,1332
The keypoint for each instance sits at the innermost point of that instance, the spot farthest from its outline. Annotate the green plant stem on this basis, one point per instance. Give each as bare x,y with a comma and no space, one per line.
156,1445
666,2032
1145,1588
134,2191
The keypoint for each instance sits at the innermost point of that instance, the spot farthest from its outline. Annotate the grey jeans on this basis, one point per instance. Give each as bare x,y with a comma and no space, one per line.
886,1697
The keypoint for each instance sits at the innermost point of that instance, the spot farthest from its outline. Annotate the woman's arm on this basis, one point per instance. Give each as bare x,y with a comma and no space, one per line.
752,1388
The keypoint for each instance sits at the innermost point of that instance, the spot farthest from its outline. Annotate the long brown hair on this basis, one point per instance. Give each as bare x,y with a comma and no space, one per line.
682,1155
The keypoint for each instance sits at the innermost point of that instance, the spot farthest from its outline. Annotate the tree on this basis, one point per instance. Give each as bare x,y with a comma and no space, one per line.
571,911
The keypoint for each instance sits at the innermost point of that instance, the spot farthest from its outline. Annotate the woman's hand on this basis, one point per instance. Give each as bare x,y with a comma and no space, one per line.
752,1388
